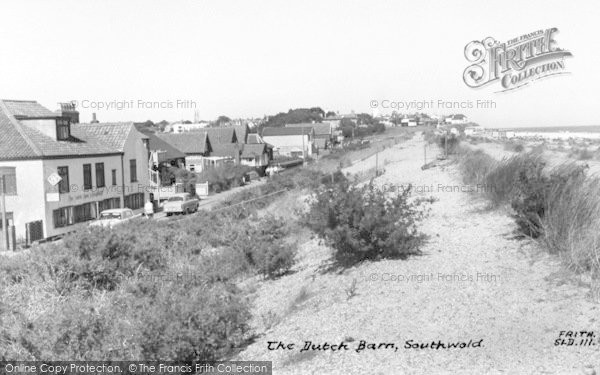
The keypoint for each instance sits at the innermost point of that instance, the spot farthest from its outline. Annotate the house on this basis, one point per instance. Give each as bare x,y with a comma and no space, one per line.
474,130
60,174
257,155
336,120
457,119
179,127
322,131
241,133
222,134
134,146
195,145
409,121
292,141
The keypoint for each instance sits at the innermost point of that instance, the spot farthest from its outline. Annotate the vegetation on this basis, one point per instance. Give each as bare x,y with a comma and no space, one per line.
362,223
146,289
223,177
559,205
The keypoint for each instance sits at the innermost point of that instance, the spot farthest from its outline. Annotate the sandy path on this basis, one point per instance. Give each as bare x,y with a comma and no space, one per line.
514,297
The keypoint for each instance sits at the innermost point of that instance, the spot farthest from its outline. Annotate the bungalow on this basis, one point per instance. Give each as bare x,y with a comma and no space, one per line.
292,141
56,172
457,119
322,131
195,145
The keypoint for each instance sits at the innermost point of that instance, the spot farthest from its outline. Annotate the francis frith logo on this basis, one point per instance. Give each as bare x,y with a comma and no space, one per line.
514,63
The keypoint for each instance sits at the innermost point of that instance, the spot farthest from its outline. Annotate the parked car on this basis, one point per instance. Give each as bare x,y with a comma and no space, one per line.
182,203
115,216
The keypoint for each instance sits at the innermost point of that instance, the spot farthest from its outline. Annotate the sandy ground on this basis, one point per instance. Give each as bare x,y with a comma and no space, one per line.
474,281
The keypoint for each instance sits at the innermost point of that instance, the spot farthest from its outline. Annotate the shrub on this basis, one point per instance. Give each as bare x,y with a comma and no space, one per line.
500,180
223,177
474,166
448,142
533,189
361,223
186,323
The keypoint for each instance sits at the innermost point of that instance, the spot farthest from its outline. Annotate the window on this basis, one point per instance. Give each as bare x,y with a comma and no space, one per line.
134,201
84,212
63,129
10,183
114,177
63,185
109,203
9,220
63,217
100,175
87,176
133,170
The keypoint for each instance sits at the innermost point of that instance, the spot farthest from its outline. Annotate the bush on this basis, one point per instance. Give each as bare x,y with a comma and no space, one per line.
474,166
571,223
448,142
534,188
223,177
501,178
361,223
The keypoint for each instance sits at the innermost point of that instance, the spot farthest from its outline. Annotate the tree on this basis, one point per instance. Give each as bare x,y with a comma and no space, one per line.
330,114
223,120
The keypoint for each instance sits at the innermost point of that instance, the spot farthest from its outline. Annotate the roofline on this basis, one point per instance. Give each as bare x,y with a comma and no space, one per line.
52,157
19,117
17,126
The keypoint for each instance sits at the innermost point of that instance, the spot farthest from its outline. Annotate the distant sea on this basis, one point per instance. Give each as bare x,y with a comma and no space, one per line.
557,129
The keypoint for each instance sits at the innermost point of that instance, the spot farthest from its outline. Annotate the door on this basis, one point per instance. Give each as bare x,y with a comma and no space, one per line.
34,231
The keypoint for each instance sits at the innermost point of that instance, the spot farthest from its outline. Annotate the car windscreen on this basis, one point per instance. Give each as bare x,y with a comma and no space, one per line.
175,199
109,216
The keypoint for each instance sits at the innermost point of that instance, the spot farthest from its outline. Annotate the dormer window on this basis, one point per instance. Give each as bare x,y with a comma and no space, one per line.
63,129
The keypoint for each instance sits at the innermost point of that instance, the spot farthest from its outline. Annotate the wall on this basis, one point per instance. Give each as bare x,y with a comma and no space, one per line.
77,195
287,141
28,204
135,149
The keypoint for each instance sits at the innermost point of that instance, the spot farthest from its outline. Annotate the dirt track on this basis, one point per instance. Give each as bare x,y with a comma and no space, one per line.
474,282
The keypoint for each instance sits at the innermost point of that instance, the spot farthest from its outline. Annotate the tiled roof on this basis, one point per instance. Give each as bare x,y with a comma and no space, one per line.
241,133
226,149
320,128
168,152
220,135
252,150
284,131
19,141
254,138
27,108
188,143
114,134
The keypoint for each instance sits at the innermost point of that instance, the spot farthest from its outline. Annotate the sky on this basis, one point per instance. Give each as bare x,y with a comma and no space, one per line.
255,58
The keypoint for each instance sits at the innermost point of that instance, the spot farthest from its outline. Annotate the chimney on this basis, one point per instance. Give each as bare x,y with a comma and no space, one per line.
69,110
94,120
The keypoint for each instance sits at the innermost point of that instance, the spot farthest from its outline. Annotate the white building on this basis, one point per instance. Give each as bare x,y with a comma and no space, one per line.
290,141
64,173
182,128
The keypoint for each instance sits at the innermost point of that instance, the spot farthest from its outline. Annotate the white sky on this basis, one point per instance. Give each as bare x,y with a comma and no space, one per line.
251,58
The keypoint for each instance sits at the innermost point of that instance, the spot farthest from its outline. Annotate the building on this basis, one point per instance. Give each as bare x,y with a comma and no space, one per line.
134,147
323,131
195,145
457,119
64,173
179,127
292,141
